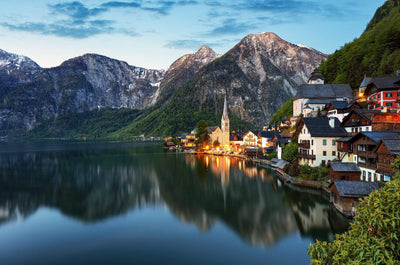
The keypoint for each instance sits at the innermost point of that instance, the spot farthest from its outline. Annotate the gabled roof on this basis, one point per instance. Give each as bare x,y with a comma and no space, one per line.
355,189
318,101
319,127
385,82
211,129
324,91
365,81
342,104
392,144
376,136
363,113
344,167
270,134
344,139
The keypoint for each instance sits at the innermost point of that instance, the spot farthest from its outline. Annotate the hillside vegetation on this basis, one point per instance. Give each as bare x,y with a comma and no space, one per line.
375,53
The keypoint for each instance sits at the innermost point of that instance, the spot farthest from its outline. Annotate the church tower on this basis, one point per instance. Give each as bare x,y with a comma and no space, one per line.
225,125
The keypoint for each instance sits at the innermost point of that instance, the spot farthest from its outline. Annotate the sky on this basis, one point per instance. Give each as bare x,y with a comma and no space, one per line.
154,33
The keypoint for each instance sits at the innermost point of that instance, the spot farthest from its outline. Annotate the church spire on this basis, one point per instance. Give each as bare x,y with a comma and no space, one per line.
225,113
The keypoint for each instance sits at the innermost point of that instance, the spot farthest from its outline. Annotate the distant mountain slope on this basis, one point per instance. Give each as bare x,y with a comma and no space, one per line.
375,53
80,84
258,75
16,68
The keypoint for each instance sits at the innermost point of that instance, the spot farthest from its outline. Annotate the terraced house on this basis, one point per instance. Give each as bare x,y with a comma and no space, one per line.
317,140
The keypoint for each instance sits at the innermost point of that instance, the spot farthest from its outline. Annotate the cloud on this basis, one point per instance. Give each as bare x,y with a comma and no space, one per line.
231,26
68,29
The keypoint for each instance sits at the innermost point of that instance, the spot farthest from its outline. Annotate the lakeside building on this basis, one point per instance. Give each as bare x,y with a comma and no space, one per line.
317,140
383,93
221,135
250,139
387,150
344,171
363,146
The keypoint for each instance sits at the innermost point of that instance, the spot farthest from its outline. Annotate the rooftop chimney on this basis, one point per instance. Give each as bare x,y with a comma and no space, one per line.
332,122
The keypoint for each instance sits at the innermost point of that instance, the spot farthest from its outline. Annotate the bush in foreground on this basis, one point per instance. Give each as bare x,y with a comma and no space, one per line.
373,237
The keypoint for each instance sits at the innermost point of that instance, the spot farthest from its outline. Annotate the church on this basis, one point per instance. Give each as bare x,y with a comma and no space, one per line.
220,134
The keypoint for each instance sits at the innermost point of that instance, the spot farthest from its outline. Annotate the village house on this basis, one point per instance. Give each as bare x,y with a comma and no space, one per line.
345,194
361,89
387,150
364,145
359,120
250,139
340,109
383,92
317,140
269,139
282,141
344,171
316,96
236,140
345,150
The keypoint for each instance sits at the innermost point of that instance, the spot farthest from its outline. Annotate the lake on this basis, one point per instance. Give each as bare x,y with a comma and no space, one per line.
132,203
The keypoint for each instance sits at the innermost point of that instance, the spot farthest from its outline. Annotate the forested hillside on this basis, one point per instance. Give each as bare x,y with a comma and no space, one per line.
375,53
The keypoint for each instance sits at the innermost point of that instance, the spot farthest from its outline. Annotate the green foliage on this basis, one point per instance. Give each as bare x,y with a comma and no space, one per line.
396,167
373,237
314,173
285,111
272,154
290,152
96,124
375,53
202,134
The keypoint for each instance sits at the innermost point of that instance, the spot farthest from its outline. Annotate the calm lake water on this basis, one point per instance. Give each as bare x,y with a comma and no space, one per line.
125,203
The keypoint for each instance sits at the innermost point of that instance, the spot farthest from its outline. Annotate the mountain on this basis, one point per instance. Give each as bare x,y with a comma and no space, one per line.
80,84
183,69
375,53
16,68
258,75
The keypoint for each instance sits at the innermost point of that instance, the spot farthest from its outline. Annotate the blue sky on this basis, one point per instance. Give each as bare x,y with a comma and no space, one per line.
154,33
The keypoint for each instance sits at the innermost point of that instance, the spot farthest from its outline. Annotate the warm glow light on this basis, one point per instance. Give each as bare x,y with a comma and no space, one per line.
207,147
361,94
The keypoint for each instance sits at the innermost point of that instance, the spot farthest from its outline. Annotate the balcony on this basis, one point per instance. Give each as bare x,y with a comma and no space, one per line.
306,156
304,145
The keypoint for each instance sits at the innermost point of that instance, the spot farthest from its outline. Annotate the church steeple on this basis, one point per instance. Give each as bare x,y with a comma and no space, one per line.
225,118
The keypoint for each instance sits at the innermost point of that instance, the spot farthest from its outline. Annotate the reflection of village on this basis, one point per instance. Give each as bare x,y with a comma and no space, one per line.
202,190
275,209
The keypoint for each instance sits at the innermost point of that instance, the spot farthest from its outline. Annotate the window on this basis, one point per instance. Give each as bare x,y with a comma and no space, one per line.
367,129
371,107
324,153
398,94
333,142
312,142
377,105
334,153
389,104
323,163
341,145
379,95
324,142
389,95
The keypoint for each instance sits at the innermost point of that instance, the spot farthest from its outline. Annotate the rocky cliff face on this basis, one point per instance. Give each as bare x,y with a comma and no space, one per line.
183,69
83,83
258,75
16,68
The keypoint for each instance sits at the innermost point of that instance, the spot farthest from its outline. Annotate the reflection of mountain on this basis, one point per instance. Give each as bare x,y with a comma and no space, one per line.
93,185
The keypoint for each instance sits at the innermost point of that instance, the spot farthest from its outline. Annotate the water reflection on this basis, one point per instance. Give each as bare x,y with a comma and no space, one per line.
95,184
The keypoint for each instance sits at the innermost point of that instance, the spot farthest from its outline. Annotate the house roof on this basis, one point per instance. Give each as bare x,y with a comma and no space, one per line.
342,104
385,82
363,113
376,136
270,134
344,167
365,81
319,127
344,139
355,189
392,144
282,141
318,101
324,91
210,129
